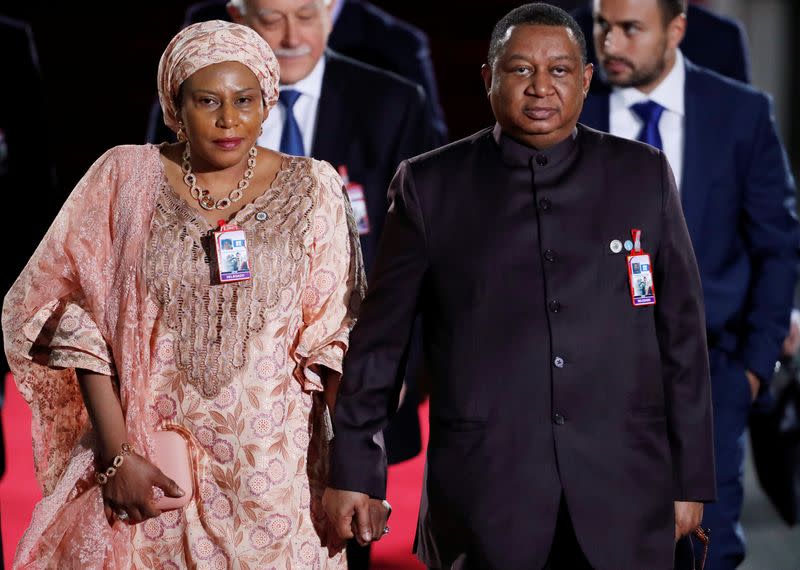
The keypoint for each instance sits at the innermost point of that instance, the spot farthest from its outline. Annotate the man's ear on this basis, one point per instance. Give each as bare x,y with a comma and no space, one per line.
486,73
676,31
331,7
588,73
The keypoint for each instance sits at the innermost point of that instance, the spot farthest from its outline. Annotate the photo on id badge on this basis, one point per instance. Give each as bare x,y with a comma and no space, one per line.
232,259
640,277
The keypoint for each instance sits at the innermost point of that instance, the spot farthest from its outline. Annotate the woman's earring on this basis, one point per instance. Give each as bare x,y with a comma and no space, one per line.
181,133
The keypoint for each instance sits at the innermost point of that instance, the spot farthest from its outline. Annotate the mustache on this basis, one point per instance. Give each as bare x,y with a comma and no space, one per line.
298,51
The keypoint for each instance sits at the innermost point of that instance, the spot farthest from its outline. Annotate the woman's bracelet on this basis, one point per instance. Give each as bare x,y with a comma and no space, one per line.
103,476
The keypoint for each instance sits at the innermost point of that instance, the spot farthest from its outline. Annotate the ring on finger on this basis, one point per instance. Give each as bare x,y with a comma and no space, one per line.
122,515
386,530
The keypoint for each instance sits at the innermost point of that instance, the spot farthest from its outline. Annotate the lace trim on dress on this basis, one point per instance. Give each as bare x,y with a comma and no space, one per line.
214,323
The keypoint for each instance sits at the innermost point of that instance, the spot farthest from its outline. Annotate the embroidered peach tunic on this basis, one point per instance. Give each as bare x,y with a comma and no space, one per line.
232,367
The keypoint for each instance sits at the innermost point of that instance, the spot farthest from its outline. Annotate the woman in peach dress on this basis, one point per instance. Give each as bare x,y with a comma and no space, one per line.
118,328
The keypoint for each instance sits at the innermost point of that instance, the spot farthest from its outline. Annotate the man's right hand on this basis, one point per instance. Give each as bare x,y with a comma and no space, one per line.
349,513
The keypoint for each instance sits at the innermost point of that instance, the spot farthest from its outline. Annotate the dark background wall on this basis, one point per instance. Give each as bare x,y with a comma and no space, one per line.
101,79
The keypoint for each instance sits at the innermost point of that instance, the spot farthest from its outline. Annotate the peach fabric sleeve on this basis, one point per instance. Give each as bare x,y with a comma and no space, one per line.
77,302
67,266
65,335
335,286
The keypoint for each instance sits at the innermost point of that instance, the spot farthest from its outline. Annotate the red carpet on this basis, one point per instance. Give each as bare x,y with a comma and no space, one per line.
19,491
393,552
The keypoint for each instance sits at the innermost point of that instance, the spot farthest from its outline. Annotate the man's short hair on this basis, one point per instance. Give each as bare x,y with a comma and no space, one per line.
240,5
535,14
671,9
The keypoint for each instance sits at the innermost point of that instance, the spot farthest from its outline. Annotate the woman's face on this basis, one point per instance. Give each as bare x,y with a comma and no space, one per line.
222,110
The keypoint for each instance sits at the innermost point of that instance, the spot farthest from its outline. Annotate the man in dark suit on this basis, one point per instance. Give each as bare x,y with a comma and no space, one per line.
711,41
26,168
738,198
361,31
570,421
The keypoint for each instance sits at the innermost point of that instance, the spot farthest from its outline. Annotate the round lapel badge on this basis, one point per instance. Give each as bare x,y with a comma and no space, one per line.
261,216
615,246
628,245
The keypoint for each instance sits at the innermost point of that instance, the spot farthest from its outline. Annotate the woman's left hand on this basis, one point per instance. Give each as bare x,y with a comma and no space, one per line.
128,495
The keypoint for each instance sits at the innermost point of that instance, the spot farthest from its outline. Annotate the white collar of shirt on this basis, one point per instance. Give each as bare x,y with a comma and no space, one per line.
669,94
305,111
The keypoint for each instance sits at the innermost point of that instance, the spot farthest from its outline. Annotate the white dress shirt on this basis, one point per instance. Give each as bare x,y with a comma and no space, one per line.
623,122
305,111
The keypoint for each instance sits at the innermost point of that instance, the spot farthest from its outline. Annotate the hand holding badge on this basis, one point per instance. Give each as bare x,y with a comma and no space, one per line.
640,274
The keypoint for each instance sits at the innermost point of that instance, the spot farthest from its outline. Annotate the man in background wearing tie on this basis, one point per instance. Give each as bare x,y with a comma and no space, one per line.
361,31
737,194
337,109
711,40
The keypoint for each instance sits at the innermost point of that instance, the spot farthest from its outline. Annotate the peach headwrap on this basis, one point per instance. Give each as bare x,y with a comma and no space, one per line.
206,43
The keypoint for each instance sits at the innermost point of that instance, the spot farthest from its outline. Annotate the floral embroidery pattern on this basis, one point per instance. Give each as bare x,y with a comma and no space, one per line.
180,276
255,448
249,404
165,407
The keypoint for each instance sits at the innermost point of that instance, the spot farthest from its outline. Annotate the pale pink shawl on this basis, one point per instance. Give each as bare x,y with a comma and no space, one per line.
92,256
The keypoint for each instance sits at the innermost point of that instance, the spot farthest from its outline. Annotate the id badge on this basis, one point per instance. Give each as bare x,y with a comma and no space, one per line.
233,262
640,276
356,194
358,201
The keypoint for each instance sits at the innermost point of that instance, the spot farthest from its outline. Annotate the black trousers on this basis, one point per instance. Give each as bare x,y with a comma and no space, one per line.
565,552
357,556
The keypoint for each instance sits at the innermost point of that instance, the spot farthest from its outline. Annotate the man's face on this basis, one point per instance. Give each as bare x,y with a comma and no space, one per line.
537,84
296,30
634,45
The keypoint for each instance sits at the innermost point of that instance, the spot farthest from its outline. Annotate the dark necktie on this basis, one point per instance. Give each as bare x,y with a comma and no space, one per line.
650,113
291,138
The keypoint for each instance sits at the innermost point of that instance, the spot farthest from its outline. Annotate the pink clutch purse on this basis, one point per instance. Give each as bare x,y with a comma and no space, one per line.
172,457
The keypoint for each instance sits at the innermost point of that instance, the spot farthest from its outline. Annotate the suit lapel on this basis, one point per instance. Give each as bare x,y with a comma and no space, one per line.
333,113
697,137
595,111
697,144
